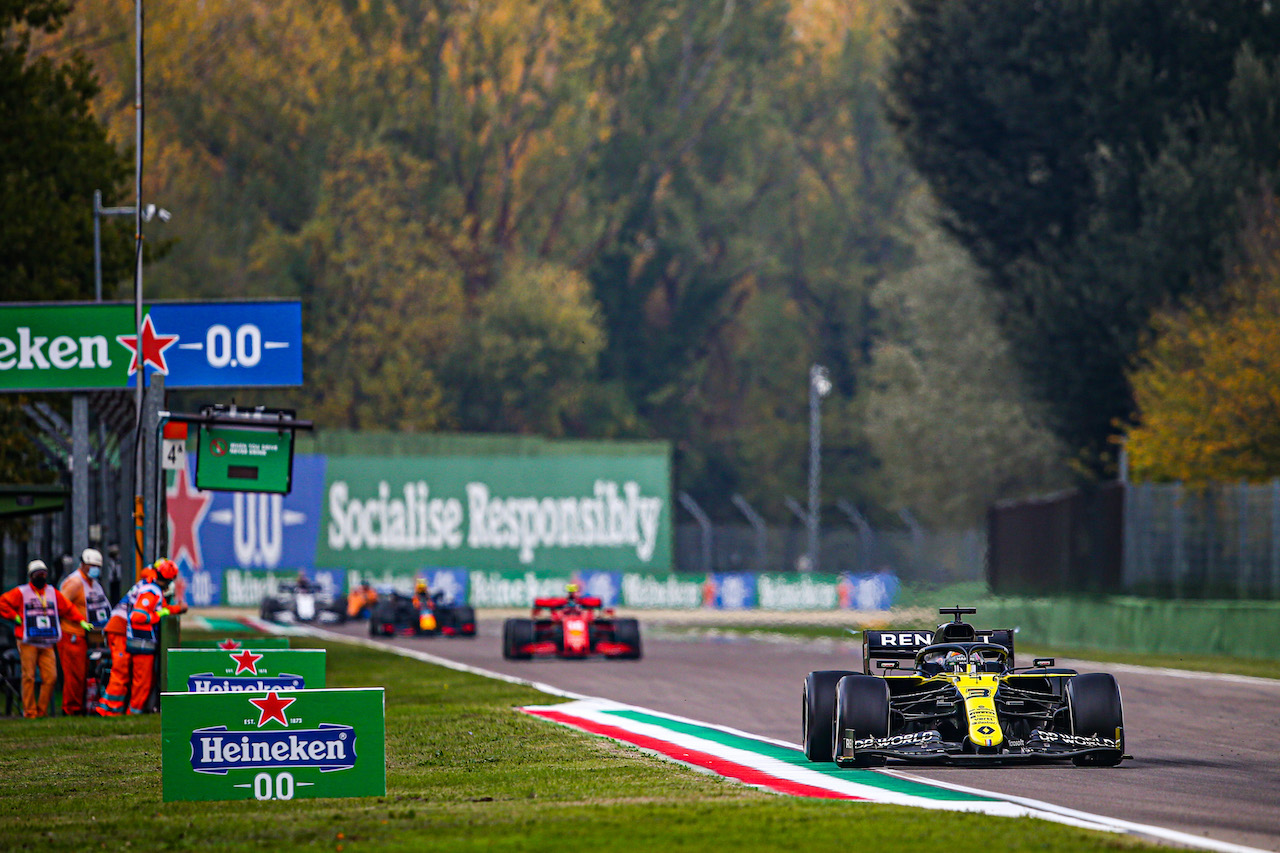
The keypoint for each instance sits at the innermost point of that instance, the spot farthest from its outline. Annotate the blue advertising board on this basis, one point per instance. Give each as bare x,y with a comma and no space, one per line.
231,344
210,532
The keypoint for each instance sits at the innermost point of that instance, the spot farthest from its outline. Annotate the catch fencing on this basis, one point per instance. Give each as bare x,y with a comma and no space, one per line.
1219,541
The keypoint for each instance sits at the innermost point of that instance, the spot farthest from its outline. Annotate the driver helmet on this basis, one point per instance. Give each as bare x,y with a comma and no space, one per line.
955,661
571,590
420,586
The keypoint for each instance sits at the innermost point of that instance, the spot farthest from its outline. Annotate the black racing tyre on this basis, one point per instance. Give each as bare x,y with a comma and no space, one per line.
464,615
267,612
1093,700
516,633
627,631
818,712
862,704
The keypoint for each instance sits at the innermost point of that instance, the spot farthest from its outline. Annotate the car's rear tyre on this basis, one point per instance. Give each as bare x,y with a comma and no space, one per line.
818,705
1093,701
515,634
464,620
862,704
627,631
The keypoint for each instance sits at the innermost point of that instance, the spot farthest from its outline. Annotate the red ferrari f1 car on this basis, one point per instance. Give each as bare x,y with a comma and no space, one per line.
572,626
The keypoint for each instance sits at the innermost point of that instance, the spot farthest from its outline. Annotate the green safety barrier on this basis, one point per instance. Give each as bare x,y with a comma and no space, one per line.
1142,625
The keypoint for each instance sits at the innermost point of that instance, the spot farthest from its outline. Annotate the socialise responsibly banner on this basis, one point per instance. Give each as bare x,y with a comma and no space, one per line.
399,515
493,531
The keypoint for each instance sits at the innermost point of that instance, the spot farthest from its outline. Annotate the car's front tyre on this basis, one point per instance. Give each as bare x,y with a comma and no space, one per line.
1093,700
817,707
627,632
862,706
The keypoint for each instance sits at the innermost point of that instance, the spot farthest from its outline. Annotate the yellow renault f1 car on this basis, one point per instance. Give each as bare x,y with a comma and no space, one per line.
961,701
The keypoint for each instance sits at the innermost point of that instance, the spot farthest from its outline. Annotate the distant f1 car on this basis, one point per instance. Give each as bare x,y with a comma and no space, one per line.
959,699
571,627
398,614
294,602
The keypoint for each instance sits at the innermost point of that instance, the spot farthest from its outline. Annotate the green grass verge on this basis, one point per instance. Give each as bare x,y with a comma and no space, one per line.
1196,663
463,773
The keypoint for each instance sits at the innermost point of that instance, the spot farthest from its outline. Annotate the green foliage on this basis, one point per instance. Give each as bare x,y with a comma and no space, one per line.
1089,155
53,155
381,302
946,413
524,362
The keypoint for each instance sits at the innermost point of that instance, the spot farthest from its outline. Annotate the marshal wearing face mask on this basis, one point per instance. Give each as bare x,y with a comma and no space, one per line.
83,589
38,610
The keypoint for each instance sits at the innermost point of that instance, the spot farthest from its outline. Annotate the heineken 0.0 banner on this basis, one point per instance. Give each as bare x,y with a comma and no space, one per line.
239,643
219,671
95,345
273,746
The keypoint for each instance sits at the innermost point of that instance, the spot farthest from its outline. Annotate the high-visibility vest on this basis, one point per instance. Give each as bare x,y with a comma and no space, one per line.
40,623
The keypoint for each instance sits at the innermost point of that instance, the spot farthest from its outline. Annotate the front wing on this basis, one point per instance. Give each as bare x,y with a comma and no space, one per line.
928,747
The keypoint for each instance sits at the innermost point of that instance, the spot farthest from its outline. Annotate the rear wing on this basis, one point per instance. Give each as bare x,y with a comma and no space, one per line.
899,644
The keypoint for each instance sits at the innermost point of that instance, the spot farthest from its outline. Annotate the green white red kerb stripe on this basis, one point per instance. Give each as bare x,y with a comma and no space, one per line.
782,767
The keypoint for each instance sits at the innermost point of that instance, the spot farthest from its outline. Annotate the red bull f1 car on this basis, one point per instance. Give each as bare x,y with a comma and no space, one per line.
954,696
396,614
571,627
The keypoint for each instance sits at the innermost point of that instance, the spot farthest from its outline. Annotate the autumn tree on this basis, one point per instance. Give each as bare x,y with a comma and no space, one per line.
439,181
381,299
1208,383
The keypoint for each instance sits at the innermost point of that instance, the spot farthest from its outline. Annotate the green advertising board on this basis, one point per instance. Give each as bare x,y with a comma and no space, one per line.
496,512
226,671
273,746
244,459
53,347
239,643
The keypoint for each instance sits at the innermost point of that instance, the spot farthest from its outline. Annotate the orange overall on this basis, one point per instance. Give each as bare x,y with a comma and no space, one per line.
117,692
73,649
37,654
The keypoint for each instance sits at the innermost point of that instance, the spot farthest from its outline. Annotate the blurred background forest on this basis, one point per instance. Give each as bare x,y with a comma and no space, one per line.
1015,233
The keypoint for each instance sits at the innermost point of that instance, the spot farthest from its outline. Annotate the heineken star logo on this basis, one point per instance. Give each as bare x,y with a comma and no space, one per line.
152,349
272,708
229,644
246,661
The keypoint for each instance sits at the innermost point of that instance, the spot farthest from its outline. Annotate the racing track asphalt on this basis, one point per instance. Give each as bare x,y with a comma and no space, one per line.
1206,748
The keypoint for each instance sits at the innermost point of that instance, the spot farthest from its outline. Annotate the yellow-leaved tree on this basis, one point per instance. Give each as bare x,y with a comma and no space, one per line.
1208,383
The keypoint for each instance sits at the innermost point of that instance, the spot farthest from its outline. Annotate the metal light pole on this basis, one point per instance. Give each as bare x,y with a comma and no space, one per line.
138,505
148,213
819,387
